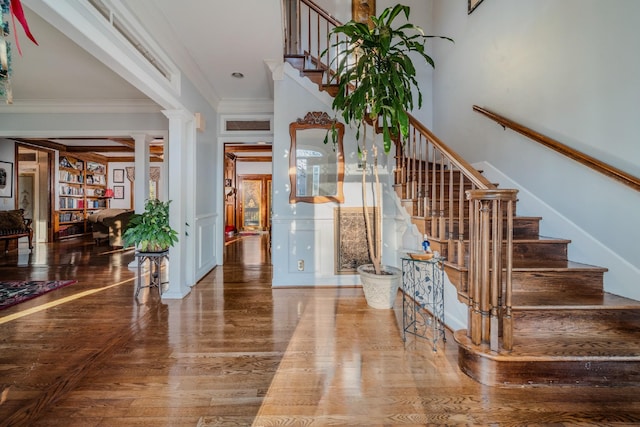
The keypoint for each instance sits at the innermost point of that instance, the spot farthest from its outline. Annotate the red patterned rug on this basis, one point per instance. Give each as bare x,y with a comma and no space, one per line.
13,292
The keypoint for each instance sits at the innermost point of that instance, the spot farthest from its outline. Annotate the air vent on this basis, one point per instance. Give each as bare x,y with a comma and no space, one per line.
247,125
132,35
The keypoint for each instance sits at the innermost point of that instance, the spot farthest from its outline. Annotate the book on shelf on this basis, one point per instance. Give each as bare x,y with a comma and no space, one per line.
71,203
95,179
66,190
70,177
70,217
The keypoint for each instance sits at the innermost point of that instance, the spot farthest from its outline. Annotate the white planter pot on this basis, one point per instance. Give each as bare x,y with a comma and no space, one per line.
380,290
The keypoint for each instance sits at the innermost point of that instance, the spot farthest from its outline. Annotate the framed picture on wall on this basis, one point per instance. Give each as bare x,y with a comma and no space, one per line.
118,175
6,179
472,5
361,10
118,191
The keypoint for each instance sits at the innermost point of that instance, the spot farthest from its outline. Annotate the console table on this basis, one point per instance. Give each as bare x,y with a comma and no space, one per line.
423,299
155,265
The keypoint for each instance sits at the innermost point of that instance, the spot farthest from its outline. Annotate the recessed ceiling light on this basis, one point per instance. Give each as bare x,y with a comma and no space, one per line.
237,75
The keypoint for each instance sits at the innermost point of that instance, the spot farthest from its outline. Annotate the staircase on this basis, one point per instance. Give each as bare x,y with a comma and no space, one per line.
566,329
544,319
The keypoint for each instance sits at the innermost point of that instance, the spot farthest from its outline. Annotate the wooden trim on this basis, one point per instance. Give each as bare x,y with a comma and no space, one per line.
316,120
321,12
247,148
585,159
254,159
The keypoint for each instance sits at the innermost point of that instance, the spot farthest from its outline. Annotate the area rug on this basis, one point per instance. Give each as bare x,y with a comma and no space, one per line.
13,292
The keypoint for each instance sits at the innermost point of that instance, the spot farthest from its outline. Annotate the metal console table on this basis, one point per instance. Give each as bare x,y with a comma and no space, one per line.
423,298
155,269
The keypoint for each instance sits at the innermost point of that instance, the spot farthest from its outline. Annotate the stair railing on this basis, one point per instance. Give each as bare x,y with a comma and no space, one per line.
307,28
470,221
465,213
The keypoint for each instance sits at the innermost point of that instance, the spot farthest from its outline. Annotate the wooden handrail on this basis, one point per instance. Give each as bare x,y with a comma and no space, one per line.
585,159
322,12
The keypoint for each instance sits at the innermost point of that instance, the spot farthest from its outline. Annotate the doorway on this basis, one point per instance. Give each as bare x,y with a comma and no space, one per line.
254,206
247,187
34,193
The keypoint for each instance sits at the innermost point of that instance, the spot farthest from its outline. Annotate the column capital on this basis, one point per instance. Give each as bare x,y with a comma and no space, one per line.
179,114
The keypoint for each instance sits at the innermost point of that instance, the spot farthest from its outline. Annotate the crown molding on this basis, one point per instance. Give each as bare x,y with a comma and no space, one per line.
53,106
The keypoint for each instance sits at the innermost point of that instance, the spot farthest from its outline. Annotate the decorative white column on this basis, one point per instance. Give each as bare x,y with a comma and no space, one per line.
140,186
180,150
141,180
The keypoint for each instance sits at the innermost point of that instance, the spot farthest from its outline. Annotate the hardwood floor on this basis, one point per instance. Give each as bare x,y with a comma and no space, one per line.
236,352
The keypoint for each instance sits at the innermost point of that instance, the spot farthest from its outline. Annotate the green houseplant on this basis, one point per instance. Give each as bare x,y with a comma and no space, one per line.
150,230
377,83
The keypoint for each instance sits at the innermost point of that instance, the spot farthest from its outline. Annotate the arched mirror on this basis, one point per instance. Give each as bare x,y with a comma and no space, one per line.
316,169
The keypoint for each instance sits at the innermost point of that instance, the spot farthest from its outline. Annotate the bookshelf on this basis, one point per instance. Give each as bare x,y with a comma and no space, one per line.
81,188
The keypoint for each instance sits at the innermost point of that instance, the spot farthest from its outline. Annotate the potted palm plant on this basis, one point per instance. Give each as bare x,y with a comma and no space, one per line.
150,230
376,80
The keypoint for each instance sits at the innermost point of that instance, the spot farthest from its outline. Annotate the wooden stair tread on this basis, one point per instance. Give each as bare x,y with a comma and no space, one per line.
533,265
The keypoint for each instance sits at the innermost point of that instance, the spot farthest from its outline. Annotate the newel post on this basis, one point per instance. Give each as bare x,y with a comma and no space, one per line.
491,254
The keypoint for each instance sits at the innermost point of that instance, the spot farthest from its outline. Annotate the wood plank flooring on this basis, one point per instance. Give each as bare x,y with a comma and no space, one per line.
236,352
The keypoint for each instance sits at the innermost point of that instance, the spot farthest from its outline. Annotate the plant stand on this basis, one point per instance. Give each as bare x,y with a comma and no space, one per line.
155,266
423,299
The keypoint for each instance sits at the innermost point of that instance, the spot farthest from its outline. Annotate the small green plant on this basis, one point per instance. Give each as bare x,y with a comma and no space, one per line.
150,230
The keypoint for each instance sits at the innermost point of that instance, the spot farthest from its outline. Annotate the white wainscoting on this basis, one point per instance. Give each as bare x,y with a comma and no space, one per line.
206,234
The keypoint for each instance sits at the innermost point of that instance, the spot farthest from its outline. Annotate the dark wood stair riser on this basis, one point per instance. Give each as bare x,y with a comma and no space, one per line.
565,284
315,76
560,321
550,250
523,227
438,211
571,372
296,61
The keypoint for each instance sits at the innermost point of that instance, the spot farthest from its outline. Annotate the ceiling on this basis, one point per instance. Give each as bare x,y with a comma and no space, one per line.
209,40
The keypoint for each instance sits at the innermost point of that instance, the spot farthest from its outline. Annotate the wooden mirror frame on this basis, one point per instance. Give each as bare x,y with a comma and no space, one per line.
316,120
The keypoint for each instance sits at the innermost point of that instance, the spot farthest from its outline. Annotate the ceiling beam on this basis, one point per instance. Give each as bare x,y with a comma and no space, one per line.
44,143
98,149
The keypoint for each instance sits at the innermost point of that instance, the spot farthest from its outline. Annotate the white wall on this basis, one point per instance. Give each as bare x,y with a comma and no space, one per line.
305,231
8,154
253,168
568,70
124,203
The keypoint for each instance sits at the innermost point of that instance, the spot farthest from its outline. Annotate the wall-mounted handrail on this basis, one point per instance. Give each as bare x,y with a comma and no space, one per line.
585,159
